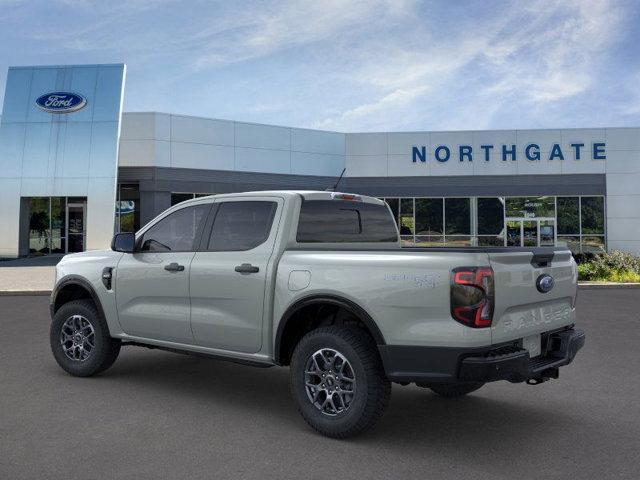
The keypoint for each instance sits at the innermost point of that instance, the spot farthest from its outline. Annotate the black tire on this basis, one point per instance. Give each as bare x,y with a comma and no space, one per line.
371,394
105,349
452,390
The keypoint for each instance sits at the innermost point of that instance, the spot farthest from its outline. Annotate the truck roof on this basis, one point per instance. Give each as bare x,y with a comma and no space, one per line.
306,194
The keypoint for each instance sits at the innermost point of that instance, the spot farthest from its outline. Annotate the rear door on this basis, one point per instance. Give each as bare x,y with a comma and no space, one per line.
228,275
523,309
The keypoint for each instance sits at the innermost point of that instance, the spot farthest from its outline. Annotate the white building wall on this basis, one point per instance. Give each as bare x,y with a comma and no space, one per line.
623,189
164,140
390,154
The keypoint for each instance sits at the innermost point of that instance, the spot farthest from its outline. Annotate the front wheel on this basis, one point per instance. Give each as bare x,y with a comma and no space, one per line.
80,339
337,381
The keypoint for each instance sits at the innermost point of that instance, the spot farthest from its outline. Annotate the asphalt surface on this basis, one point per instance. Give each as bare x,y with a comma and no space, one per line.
157,415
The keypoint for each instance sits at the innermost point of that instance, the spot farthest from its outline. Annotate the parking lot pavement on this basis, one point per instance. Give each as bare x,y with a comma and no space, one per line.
157,415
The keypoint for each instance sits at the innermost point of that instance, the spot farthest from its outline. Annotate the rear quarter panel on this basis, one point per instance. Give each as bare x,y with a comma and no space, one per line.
406,293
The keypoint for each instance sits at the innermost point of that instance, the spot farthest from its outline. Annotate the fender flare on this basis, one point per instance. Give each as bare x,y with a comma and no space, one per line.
348,305
78,281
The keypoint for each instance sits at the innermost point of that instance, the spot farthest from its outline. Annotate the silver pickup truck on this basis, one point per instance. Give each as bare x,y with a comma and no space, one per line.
317,281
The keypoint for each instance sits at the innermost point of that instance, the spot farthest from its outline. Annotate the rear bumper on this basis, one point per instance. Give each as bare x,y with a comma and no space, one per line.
484,364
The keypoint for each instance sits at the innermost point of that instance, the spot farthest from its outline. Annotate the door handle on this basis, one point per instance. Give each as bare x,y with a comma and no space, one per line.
247,268
174,267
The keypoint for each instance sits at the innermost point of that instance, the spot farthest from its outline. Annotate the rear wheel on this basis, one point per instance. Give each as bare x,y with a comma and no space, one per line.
451,390
337,381
80,339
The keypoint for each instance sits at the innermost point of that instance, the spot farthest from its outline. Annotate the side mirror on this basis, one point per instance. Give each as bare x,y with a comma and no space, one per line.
124,242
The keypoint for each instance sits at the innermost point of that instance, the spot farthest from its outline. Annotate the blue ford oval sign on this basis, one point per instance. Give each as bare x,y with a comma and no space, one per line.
545,283
61,102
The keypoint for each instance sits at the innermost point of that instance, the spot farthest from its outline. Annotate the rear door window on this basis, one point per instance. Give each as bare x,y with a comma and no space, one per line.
329,221
241,225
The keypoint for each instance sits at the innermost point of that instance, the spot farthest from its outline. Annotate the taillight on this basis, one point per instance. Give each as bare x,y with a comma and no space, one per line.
346,196
472,296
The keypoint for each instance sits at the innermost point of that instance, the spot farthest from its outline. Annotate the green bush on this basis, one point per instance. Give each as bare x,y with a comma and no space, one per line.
614,266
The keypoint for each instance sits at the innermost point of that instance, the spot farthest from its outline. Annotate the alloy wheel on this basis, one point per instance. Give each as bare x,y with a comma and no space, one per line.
330,381
77,338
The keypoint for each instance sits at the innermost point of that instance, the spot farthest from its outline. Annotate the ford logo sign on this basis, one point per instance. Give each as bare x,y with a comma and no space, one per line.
545,283
61,102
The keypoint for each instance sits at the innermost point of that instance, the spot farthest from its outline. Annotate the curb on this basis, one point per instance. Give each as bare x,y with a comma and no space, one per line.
10,293
606,286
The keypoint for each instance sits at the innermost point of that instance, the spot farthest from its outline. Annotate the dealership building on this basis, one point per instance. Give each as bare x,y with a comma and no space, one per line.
74,169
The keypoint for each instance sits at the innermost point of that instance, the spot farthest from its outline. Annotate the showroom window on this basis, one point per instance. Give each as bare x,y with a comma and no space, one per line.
429,222
581,223
490,222
56,224
128,208
177,197
569,222
457,219
433,222
578,222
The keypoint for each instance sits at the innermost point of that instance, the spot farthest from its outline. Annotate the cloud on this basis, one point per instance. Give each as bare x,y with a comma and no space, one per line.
534,55
348,65
285,25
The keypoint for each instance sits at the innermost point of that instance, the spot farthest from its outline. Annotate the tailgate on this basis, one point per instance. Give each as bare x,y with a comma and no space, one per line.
521,309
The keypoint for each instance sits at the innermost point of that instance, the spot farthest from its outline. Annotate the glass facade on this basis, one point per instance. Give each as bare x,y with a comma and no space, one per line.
177,197
57,224
59,155
578,222
127,208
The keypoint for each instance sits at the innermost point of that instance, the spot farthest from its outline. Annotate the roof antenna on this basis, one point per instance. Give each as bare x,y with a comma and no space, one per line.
333,189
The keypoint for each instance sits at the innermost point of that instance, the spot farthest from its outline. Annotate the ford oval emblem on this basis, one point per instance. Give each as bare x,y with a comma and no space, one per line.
61,102
545,283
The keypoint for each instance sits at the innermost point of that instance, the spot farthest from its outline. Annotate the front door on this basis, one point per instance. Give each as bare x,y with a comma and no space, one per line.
228,279
152,285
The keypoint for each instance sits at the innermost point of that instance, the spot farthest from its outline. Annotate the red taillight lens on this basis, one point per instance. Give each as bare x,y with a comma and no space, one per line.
472,296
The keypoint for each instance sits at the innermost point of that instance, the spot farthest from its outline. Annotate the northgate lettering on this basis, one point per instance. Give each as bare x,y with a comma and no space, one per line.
531,152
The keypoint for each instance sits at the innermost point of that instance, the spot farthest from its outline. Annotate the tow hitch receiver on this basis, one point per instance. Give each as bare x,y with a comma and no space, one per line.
544,376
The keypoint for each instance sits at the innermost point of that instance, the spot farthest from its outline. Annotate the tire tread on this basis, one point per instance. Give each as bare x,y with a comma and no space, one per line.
105,356
378,386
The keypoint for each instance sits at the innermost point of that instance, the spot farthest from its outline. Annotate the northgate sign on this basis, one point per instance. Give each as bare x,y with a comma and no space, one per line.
531,152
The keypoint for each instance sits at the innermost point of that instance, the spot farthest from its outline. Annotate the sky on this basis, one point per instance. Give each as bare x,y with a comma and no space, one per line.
349,65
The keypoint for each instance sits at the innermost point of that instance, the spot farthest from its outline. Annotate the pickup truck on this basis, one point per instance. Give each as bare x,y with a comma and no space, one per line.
319,282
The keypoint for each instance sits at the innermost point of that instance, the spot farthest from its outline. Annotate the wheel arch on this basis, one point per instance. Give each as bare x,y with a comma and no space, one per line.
74,287
288,320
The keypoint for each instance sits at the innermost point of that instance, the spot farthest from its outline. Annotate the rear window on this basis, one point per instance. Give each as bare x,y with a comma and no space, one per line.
324,221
